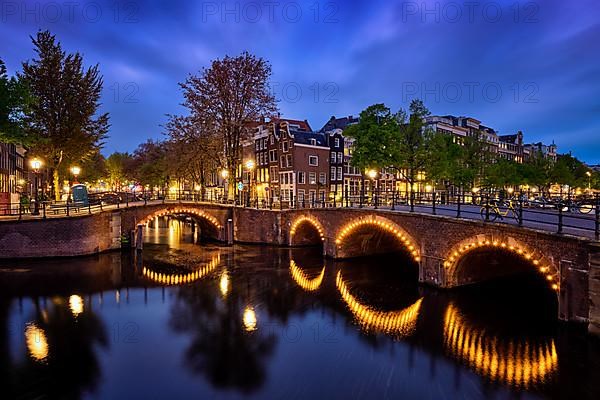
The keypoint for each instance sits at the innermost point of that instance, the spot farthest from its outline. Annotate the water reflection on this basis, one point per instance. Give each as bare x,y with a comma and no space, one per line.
397,323
303,280
520,363
182,279
204,321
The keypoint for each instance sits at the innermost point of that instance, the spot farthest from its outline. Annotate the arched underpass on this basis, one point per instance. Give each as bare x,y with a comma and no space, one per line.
204,225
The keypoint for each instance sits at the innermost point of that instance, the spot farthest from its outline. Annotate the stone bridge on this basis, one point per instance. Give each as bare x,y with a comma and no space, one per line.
448,252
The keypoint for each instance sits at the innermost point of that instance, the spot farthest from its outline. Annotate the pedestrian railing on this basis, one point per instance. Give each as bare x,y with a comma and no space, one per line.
577,215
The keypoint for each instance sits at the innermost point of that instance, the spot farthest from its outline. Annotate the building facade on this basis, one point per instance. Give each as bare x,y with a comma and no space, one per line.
13,179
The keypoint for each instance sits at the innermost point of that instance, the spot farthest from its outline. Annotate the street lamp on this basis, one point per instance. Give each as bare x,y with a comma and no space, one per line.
589,175
250,168
372,174
36,164
75,170
225,175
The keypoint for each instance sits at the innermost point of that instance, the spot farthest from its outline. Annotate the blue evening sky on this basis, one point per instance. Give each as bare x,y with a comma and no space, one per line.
531,65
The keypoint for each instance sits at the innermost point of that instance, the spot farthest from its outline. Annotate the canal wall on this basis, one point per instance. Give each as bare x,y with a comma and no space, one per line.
60,237
594,290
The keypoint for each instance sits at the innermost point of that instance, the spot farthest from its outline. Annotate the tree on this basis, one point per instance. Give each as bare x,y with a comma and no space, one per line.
227,96
62,124
373,138
193,152
13,105
117,165
148,166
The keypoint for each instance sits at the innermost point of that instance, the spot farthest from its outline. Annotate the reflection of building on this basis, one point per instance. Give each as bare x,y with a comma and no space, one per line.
12,175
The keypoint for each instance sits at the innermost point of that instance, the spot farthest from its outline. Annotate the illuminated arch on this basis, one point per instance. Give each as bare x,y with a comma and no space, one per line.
400,323
182,279
306,283
516,363
541,264
183,210
385,224
306,219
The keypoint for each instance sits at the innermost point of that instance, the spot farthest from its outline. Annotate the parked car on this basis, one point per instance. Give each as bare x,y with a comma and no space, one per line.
542,202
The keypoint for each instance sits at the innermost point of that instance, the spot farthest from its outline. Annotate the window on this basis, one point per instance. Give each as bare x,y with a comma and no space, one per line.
339,173
313,161
301,195
272,139
288,160
274,173
337,142
322,178
313,142
301,177
284,147
257,145
333,171
333,157
340,157
312,178
282,161
273,155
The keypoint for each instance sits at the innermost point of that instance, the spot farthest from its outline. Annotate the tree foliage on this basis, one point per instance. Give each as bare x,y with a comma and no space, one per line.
225,97
62,124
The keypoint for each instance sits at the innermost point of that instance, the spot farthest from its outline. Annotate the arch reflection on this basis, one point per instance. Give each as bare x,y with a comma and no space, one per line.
305,282
397,323
182,279
515,363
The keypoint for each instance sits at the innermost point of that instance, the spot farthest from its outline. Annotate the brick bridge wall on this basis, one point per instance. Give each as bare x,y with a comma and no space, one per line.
436,243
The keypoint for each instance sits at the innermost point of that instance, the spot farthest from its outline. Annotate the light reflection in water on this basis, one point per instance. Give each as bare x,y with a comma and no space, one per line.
37,343
76,304
249,319
398,323
304,281
181,279
224,283
516,363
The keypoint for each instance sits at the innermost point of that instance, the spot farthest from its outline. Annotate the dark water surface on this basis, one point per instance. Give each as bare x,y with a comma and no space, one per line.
206,321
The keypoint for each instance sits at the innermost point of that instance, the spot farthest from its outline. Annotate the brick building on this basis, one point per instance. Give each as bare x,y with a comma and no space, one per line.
12,175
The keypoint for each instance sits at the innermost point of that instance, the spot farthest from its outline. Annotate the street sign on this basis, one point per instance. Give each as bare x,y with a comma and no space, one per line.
240,186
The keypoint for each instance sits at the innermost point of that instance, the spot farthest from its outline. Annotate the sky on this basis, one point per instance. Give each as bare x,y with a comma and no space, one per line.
532,66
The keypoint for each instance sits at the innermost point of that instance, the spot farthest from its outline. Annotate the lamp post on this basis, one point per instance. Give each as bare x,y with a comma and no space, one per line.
36,164
75,170
250,168
373,175
589,175
225,175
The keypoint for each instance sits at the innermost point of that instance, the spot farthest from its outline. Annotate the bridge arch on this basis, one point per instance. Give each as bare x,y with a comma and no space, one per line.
507,245
361,237
209,224
306,230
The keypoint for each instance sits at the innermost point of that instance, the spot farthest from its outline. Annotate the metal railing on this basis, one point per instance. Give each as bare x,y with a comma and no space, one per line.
578,216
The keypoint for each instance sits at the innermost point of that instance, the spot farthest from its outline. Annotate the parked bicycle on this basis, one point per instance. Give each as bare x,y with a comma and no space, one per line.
493,211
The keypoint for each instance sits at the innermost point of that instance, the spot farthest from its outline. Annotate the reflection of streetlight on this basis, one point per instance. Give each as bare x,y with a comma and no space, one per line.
76,304
37,343
224,283
36,164
249,319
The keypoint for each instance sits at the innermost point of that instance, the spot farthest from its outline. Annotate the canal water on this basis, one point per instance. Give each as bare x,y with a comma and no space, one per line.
190,320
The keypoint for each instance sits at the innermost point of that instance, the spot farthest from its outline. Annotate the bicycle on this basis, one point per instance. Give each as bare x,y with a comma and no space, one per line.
495,212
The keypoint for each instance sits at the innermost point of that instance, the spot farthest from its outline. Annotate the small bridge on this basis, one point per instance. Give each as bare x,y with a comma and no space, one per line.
449,251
